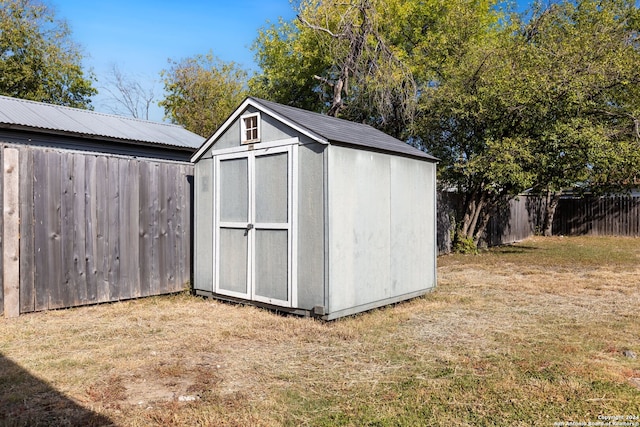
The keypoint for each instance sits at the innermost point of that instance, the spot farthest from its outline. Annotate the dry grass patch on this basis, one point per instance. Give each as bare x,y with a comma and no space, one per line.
531,334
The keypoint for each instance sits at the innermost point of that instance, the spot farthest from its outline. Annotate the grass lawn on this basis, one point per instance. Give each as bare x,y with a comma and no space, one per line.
539,333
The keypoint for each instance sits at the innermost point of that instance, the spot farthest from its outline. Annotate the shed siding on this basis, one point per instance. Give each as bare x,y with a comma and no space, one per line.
381,227
229,139
310,225
359,229
204,218
274,130
412,225
270,130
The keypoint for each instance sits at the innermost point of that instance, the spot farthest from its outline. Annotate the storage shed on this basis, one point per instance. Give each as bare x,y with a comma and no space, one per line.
311,214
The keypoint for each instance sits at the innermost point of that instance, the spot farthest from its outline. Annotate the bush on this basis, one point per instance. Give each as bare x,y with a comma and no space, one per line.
464,245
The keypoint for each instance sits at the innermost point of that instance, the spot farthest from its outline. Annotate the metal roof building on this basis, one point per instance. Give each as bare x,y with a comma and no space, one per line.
96,207
36,123
307,213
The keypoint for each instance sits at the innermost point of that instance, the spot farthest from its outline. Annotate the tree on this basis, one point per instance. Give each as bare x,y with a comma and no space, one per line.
465,113
202,91
289,58
38,59
341,64
129,94
374,61
547,104
582,72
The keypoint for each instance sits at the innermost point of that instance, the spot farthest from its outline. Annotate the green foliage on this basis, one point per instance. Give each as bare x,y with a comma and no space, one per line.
38,59
336,58
579,79
547,104
464,245
289,59
202,91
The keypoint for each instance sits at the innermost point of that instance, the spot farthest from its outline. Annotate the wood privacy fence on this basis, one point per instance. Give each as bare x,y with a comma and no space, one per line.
598,216
524,216
85,228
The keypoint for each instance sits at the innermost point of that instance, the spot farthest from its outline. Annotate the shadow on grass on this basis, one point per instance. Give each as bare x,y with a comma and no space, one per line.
28,401
511,249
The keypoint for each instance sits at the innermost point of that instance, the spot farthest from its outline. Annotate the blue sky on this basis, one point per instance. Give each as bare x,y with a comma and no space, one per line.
139,36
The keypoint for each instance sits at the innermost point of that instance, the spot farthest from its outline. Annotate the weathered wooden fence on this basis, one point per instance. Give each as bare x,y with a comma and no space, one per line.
598,216
524,216
85,228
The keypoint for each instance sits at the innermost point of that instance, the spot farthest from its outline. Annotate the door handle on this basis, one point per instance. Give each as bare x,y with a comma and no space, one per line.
249,227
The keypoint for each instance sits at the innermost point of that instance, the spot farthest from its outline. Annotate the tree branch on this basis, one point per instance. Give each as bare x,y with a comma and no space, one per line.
319,28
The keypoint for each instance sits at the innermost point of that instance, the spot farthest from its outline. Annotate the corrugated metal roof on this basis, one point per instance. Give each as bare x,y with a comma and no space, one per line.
342,131
20,113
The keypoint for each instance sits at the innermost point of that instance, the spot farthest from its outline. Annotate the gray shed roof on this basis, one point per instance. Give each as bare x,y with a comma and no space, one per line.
23,114
326,129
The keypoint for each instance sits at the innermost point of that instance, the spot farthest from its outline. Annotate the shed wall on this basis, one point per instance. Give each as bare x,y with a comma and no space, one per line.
203,221
228,139
413,232
381,227
310,227
359,234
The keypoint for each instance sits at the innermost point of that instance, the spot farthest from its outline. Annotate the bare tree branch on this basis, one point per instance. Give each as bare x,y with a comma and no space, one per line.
319,28
363,60
129,94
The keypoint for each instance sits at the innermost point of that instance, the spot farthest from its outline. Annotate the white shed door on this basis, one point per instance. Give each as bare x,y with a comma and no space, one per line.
254,225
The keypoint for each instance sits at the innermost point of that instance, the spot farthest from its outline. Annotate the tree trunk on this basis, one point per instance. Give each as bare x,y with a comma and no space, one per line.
473,201
483,225
476,215
466,226
552,199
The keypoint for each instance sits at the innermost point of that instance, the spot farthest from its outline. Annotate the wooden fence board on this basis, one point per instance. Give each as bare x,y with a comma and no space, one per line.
11,232
153,208
67,229
39,234
27,259
53,279
90,228
186,221
144,245
129,189
102,230
172,237
162,229
113,245
79,271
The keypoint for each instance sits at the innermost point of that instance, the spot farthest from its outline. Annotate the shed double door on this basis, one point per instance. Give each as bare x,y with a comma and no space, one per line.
254,225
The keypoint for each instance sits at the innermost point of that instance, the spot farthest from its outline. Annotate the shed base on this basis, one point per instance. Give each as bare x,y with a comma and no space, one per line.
376,304
316,312
276,308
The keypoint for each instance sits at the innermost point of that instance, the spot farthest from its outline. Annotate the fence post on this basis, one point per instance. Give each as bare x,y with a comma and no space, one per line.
11,232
